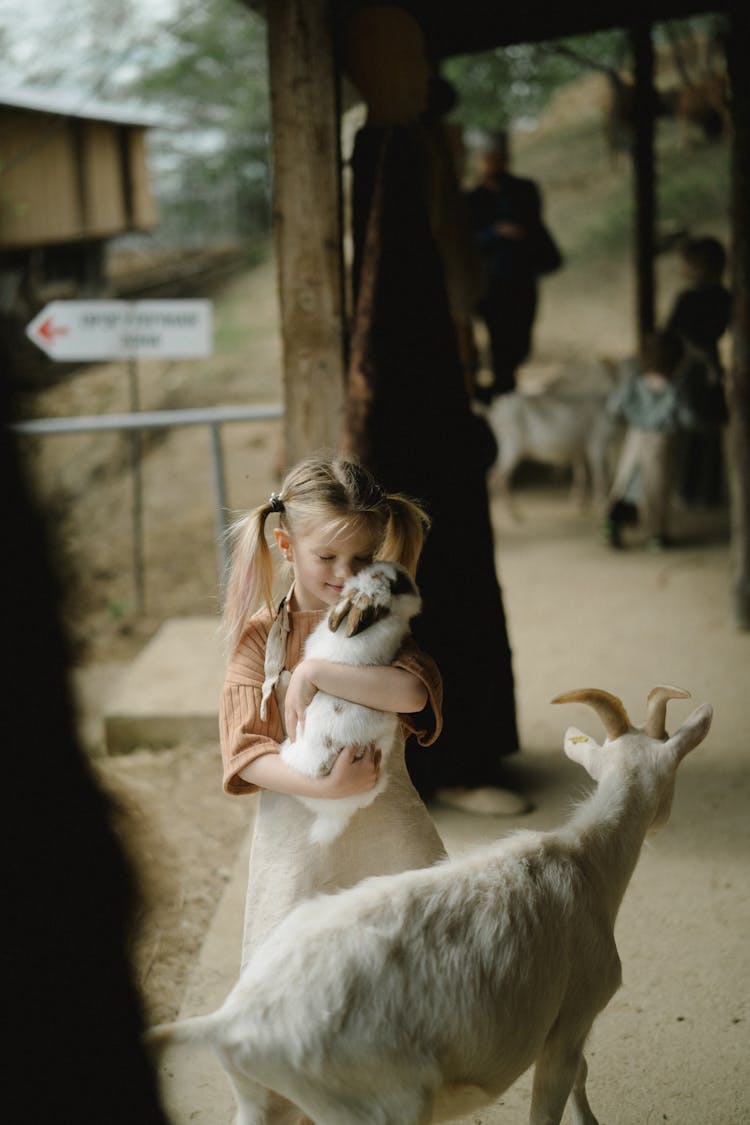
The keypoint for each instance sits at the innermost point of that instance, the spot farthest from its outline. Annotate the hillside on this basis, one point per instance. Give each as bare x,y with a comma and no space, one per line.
589,205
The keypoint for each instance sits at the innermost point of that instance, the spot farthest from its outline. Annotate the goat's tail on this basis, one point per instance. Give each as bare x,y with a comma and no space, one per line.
197,1029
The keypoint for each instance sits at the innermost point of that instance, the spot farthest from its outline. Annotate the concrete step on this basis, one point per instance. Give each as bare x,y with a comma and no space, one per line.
170,692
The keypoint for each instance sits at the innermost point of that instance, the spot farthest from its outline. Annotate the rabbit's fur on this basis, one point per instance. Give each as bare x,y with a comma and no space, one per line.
366,626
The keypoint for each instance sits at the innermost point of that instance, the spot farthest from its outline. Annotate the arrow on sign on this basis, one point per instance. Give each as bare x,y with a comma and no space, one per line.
102,330
48,331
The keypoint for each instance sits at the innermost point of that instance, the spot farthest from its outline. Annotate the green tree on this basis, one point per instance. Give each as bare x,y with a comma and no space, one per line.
82,47
500,86
208,68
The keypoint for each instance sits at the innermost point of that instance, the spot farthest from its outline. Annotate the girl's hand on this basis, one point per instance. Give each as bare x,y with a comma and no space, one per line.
356,770
299,695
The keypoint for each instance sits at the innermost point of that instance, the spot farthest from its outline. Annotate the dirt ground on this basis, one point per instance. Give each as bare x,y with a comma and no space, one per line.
180,830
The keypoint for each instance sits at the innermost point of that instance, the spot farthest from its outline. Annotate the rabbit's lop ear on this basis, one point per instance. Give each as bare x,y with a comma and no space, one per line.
337,614
402,583
361,611
363,614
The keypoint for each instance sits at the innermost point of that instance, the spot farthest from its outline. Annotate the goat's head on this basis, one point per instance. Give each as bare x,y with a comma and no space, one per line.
648,749
383,589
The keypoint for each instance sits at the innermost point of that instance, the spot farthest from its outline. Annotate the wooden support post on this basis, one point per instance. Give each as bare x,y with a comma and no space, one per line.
136,467
643,157
307,221
738,438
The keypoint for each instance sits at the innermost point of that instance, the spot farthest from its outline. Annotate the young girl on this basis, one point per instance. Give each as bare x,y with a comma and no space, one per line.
331,520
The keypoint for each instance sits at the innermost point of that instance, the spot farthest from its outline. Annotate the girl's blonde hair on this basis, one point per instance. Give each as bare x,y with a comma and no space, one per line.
330,494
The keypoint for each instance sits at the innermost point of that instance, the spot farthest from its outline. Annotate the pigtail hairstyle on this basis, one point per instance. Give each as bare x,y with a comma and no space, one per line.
328,493
250,581
405,531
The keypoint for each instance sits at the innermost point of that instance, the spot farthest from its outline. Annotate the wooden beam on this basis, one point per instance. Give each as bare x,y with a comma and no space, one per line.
738,390
307,221
643,166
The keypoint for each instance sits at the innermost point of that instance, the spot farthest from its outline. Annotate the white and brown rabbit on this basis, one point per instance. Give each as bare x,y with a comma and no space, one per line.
366,626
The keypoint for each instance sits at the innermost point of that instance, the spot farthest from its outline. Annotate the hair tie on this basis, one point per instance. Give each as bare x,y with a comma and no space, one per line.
275,502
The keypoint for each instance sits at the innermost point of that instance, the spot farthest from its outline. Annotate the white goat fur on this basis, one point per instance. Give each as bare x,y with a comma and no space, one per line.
416,997
554,428
367,626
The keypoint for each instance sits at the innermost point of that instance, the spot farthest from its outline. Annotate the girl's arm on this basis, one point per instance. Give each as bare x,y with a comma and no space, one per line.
354,771
380,686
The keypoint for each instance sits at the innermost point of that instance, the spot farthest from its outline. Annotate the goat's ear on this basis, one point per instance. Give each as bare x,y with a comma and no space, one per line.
582,749
691,733
361,617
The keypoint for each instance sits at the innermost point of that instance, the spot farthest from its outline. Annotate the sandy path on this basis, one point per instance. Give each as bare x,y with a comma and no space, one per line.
674,1044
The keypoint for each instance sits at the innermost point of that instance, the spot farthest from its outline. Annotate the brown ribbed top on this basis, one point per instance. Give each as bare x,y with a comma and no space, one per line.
245,736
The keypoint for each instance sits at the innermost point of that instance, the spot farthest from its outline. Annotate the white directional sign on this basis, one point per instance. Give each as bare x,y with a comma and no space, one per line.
91,330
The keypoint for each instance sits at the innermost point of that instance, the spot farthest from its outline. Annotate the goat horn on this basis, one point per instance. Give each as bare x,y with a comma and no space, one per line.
656,708
608,707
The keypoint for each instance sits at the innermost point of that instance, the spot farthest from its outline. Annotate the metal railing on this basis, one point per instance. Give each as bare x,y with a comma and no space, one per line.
212,416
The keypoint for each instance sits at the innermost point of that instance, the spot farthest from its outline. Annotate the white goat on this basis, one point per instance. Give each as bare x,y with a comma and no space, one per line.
416,997
366,626
554,428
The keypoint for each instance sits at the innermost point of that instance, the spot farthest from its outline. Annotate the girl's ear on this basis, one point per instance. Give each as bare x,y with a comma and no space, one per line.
283,542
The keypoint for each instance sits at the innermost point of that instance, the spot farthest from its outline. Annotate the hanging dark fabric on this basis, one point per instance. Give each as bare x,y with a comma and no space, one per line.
409,419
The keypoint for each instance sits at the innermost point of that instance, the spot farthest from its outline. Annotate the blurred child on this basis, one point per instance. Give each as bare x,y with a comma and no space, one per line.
700,316
652,407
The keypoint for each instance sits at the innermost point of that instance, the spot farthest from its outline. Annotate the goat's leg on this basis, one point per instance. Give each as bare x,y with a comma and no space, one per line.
250,1095
252,1099
579,488
398,1106
500,481
579,1102
599,478
559,1068
281,1111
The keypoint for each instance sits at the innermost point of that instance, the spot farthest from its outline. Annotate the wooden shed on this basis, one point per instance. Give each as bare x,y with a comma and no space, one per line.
70,172
310,54
72,176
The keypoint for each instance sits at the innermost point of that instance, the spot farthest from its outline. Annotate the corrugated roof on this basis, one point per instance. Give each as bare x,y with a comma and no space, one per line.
69,103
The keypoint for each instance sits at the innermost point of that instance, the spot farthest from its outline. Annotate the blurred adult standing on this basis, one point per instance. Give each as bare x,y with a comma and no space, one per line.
700,316
516,247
